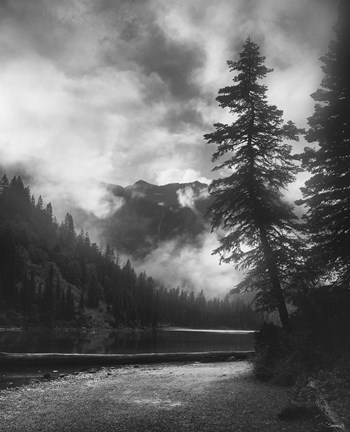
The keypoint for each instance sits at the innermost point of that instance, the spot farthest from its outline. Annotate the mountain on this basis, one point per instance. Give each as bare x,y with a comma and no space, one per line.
151,214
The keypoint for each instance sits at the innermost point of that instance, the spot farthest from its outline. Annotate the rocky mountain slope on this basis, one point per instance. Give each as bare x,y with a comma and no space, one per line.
150,214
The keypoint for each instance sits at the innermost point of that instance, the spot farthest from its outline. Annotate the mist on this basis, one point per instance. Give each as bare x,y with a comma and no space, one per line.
190,267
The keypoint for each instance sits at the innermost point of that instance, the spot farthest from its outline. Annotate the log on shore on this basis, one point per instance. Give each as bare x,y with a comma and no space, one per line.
9,360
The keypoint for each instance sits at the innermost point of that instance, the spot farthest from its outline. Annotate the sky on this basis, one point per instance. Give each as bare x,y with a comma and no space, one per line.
117,90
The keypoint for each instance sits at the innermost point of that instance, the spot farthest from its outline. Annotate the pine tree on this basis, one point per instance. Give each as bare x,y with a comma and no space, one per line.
92,293
69,234
247,203
49,211
25,297
40,203
9,265
48,305
327,193
70,308
4,185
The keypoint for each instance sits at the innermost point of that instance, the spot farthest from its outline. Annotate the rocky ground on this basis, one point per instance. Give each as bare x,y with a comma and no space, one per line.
197,397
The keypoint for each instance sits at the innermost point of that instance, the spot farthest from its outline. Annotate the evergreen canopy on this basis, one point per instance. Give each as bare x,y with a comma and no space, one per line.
327,193
255,166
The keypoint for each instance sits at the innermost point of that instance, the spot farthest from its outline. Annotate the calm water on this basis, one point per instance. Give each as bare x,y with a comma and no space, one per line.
125,341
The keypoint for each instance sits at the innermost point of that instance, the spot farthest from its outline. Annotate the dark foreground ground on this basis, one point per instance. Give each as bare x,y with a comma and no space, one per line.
198,397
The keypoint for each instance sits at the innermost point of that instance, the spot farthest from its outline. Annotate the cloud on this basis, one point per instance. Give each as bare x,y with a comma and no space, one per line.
174,63
99,97
58,132
120,90
191,268
179,175
188,196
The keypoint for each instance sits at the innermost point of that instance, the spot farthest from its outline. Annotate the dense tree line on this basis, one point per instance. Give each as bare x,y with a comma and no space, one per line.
187,309
51,275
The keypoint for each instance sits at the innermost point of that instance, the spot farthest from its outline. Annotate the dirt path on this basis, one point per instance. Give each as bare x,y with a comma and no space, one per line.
214,397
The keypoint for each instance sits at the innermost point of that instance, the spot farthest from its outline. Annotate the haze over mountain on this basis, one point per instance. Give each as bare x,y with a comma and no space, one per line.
151,215
164,231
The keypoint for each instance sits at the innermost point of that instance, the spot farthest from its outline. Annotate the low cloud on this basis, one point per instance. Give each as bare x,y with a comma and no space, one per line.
191,268
188,196
179,175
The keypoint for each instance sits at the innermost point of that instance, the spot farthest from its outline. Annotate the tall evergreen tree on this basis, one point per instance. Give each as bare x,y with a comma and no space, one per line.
25,296
69,228
70,308
247,201
92,293
40,203
327,192
48,305
4,185
49,211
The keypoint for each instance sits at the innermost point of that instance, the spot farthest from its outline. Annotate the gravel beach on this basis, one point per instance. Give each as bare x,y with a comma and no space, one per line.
208,397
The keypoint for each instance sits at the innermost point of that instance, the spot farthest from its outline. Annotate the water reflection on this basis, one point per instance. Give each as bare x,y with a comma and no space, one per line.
123,341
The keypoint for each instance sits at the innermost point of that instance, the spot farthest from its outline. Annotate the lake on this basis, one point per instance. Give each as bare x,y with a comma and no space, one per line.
111,342
125,341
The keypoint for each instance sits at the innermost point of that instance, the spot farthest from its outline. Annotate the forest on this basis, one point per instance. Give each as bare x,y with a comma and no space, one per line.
52,276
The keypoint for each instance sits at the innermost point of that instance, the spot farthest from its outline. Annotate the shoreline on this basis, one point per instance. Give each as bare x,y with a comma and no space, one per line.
112,329
20,369
10,360
194,396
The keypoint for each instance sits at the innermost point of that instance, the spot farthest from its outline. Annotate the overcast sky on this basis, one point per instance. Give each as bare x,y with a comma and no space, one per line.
120,90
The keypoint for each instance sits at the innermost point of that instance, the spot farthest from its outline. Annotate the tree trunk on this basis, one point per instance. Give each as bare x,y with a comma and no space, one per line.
276,288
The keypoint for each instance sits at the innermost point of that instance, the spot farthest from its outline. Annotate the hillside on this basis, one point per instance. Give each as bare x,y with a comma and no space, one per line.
50,275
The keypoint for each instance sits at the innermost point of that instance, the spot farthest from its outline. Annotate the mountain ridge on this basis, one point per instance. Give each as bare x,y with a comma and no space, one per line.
151,214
